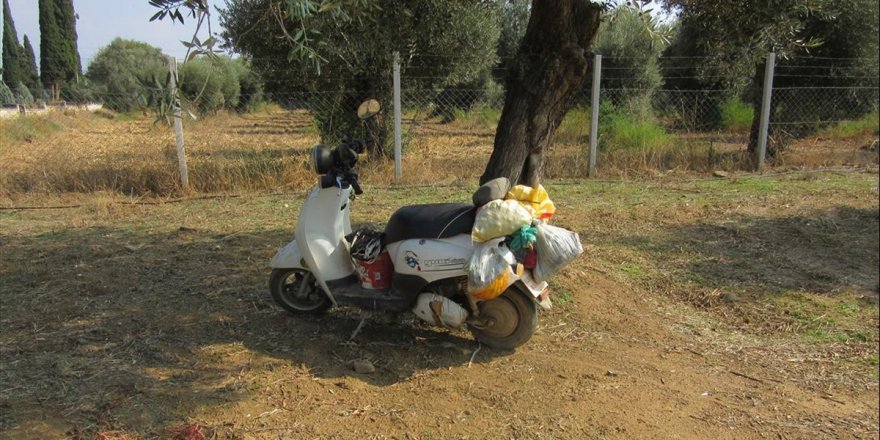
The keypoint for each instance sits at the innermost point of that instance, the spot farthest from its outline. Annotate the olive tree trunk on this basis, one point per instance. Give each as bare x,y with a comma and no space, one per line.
549,71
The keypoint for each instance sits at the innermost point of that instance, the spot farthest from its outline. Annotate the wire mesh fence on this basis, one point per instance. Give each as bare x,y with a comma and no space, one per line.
682,121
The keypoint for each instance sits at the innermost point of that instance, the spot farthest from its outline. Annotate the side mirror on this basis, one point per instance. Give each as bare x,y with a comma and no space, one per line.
368,109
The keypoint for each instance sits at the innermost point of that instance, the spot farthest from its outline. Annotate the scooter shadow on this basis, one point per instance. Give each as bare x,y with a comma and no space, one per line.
395,348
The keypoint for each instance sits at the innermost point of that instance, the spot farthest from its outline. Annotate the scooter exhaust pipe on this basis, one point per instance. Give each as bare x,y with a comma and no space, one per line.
439,310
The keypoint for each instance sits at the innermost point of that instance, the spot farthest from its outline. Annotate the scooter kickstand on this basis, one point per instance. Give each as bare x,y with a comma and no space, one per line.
357,329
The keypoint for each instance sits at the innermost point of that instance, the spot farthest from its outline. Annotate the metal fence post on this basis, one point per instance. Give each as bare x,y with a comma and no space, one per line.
178,122
594,117
765,109
398,170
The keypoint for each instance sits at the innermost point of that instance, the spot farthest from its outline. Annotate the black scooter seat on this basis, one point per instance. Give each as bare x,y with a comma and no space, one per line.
439,220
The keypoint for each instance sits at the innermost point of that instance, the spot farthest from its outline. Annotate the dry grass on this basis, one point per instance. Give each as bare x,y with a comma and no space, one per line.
80,152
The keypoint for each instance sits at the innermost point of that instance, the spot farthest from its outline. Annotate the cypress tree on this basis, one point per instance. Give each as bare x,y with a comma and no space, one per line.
29,67
12,63
68,28
59,59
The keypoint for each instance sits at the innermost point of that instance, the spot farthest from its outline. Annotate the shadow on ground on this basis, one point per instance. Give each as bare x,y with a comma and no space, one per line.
824,251
107,329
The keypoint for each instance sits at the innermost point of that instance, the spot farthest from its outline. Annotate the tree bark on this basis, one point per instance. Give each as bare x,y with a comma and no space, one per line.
549,70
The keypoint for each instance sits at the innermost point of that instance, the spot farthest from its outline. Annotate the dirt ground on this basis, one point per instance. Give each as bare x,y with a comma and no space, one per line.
144,321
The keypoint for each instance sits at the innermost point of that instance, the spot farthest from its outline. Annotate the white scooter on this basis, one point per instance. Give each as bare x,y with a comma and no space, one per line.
429,246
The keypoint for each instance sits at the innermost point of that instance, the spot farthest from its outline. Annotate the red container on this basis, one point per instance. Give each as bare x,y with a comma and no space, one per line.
531,259
376,273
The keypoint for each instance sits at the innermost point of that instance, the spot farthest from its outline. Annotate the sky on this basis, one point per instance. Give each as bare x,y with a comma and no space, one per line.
100,21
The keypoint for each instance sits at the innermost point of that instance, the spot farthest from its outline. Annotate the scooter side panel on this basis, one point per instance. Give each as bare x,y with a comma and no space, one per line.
432,260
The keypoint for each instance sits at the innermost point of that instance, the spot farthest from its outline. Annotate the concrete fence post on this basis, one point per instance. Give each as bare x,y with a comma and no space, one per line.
765,109
594,117
178,122
398,170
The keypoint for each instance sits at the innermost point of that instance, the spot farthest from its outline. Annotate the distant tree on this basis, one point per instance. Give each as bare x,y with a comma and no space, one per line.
441,43
124,72
210,83
513,17
630,57
29,67
250,86
737,35
6,95
59,59
12,57
847,60
682,68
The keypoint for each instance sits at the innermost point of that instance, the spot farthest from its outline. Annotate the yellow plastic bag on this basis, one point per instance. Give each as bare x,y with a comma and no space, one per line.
535,200
495,287
499,218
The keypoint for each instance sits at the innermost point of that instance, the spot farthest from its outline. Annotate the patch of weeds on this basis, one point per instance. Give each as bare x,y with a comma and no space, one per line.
621,130
819,318
868,124
561,293
479,117
736,116
828,335
757,185
849,310
633,270
575,125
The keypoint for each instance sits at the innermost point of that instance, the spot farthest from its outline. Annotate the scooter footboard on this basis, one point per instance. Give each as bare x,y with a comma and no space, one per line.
288,257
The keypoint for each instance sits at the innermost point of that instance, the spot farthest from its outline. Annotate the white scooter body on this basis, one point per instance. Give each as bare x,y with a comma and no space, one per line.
324,220
320,248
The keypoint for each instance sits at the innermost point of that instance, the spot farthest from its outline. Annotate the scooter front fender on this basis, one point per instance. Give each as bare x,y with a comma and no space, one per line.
535,290
288,257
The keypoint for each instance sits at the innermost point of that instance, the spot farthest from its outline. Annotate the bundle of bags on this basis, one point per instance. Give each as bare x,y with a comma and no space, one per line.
514,233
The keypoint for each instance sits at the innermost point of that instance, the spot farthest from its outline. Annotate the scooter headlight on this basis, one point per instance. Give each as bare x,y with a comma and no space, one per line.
322,158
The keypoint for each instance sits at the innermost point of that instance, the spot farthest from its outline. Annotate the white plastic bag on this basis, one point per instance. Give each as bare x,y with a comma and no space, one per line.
499,218
489,269
556,248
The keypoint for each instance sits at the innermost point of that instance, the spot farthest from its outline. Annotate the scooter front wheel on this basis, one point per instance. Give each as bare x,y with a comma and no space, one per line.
507,321
297,292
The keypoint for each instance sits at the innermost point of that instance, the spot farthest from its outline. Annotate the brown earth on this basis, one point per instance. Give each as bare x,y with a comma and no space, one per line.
152,321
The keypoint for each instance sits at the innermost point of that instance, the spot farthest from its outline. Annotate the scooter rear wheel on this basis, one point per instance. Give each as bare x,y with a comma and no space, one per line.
288,290
508,321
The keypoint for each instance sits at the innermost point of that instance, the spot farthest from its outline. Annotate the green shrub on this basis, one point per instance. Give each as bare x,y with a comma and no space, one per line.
6,96
23,95
623,130
736,115
125,72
